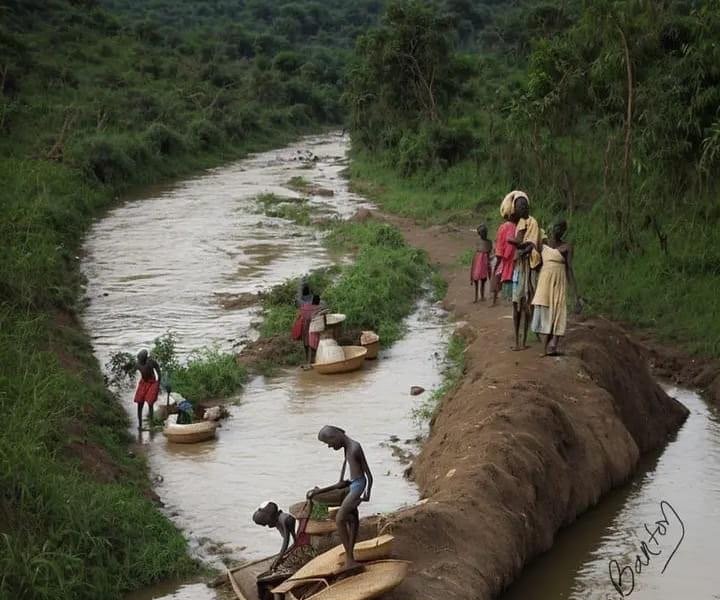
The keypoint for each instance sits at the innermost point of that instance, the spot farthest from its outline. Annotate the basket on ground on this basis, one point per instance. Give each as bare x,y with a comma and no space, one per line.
377,579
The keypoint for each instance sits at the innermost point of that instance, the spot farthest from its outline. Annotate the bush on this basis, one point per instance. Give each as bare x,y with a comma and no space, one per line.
103,158
164,140
205,134
208,374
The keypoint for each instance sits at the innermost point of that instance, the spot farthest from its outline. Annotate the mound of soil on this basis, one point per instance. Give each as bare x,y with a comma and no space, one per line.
523,445
278,350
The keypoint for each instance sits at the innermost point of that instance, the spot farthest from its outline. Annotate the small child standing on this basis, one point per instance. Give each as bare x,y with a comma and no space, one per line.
480,268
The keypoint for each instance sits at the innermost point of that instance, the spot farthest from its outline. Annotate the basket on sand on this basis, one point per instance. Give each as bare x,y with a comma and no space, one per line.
332,561
377,579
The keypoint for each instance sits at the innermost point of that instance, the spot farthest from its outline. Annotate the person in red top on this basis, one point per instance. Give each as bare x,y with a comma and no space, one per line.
504,251
481,262
149,385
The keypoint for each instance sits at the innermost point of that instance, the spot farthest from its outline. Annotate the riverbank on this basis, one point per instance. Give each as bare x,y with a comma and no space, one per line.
523,444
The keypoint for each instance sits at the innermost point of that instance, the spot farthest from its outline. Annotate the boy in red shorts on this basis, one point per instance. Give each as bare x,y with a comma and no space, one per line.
149,385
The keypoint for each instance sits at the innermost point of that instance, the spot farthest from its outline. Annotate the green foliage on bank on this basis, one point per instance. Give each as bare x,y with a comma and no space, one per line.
376,291
379,289
605,113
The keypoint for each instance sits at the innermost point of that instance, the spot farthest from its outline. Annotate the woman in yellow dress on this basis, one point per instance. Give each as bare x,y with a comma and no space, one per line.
550,300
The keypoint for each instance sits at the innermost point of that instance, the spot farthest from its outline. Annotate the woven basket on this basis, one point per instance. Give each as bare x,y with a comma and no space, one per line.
372,350
331,561
190,434
314,527
377,579
354,358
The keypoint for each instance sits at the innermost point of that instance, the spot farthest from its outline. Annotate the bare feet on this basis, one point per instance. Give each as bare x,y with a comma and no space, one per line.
519,348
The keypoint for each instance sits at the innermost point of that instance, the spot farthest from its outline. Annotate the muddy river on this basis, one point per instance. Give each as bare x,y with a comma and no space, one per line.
164,261
676,494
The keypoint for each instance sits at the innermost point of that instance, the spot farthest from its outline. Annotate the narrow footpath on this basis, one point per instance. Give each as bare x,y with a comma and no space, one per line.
524,444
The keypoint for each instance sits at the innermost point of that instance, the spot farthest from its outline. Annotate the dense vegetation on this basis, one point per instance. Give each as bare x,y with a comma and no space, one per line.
605,112
95,98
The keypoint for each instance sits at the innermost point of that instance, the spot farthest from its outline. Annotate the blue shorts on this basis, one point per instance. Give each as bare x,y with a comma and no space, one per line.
358,485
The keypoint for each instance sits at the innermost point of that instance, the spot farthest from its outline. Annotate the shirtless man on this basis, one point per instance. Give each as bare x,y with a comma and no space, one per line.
269,515
149,385
360,483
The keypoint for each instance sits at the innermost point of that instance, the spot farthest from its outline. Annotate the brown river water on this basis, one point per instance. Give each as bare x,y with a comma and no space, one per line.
164,259
676,492
161,261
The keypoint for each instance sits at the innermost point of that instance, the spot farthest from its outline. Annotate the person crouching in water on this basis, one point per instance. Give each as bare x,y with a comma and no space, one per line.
361,480
550,300
481,263
149,385
269,515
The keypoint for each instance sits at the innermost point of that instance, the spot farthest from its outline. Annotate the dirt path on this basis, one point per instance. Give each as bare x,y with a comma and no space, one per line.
523,445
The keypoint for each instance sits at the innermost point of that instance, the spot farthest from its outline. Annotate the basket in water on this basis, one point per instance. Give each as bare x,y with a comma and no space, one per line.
354,358
191,433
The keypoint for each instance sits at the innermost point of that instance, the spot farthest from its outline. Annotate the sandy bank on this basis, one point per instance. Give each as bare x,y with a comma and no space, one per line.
523,445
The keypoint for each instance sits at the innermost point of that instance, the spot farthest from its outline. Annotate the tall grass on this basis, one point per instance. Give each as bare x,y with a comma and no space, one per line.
675,294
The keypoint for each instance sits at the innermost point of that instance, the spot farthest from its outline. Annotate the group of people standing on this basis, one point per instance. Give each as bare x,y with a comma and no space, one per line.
530,269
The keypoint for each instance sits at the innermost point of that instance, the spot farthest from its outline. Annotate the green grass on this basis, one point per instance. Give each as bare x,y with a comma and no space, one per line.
209,374
426,410
377,291
299,184
291,209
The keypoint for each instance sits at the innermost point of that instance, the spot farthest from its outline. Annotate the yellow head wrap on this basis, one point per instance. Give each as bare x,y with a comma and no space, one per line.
507,206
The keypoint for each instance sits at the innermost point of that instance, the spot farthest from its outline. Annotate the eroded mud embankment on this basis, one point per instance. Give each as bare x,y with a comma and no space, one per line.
515,456
522,446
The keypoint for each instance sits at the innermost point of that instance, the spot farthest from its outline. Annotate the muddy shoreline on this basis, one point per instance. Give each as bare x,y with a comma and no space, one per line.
524,444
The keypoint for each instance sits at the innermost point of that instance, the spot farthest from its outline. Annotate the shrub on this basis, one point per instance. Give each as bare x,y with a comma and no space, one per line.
103,158
208,373
163,140
205,134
